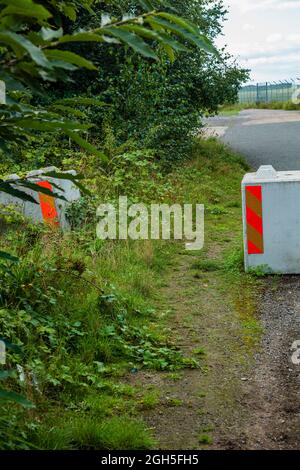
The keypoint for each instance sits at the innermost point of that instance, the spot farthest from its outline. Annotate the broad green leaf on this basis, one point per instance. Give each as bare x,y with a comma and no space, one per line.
132,40
68,110
147,5
180,22
60,64
69,11
7,188
81,37
141,31
160,37
10,82
8,257
87,146
170,52
5,374
40,125
16,398
25,8
198,40
13,347
63,176
40,189
166,4
67,176
167,40
20,43
70,57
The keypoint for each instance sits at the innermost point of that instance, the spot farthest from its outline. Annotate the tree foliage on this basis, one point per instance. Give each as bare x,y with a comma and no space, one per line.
34,50
159,104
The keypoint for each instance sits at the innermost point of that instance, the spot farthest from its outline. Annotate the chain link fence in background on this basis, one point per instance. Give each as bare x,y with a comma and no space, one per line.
270,92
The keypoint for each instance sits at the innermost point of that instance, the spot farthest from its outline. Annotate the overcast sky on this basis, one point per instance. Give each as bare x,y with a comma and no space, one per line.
265,35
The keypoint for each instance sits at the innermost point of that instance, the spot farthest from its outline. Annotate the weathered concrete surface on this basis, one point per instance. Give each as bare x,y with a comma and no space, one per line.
264,137
280,214
36,212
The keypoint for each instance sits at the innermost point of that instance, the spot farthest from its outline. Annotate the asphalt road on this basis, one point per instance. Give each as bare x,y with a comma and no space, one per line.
264,137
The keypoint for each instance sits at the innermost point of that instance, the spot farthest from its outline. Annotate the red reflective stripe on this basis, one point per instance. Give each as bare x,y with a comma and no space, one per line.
253,250
256,191
47,204
254,220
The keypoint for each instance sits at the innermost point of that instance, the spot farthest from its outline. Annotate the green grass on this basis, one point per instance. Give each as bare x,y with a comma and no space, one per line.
86,433
205,439
150,400
206,265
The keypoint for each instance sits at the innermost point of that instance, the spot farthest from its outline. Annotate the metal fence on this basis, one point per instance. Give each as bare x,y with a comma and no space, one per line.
271,91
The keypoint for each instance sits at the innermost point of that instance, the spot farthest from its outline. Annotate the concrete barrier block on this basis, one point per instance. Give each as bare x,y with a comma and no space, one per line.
271,220
48,210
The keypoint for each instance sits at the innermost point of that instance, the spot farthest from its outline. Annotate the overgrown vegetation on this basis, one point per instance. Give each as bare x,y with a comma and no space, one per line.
76,313
84,313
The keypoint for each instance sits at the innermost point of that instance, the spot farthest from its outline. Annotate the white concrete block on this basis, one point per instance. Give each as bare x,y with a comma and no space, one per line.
48,210
271,220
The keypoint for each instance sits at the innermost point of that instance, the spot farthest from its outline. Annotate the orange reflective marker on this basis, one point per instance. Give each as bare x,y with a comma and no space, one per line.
254,215
47,203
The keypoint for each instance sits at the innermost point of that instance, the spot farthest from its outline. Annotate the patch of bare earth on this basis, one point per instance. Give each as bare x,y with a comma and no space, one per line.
244,396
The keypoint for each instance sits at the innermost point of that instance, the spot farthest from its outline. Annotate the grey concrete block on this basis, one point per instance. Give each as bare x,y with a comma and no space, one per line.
271,215
36,212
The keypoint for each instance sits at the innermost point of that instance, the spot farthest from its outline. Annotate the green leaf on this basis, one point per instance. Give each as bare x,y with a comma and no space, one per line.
68,110
166,4
198,40
156,36
6,187
8,257
40,189
41,125
63,176
67,176
13,347
141,31
70,57
69,11
25,8
180,22
16,398
5,374
170,52
81,37
132,40
147,5
20,44
86,145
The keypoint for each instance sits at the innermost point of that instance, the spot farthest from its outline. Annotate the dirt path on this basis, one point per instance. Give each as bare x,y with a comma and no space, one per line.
240,398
